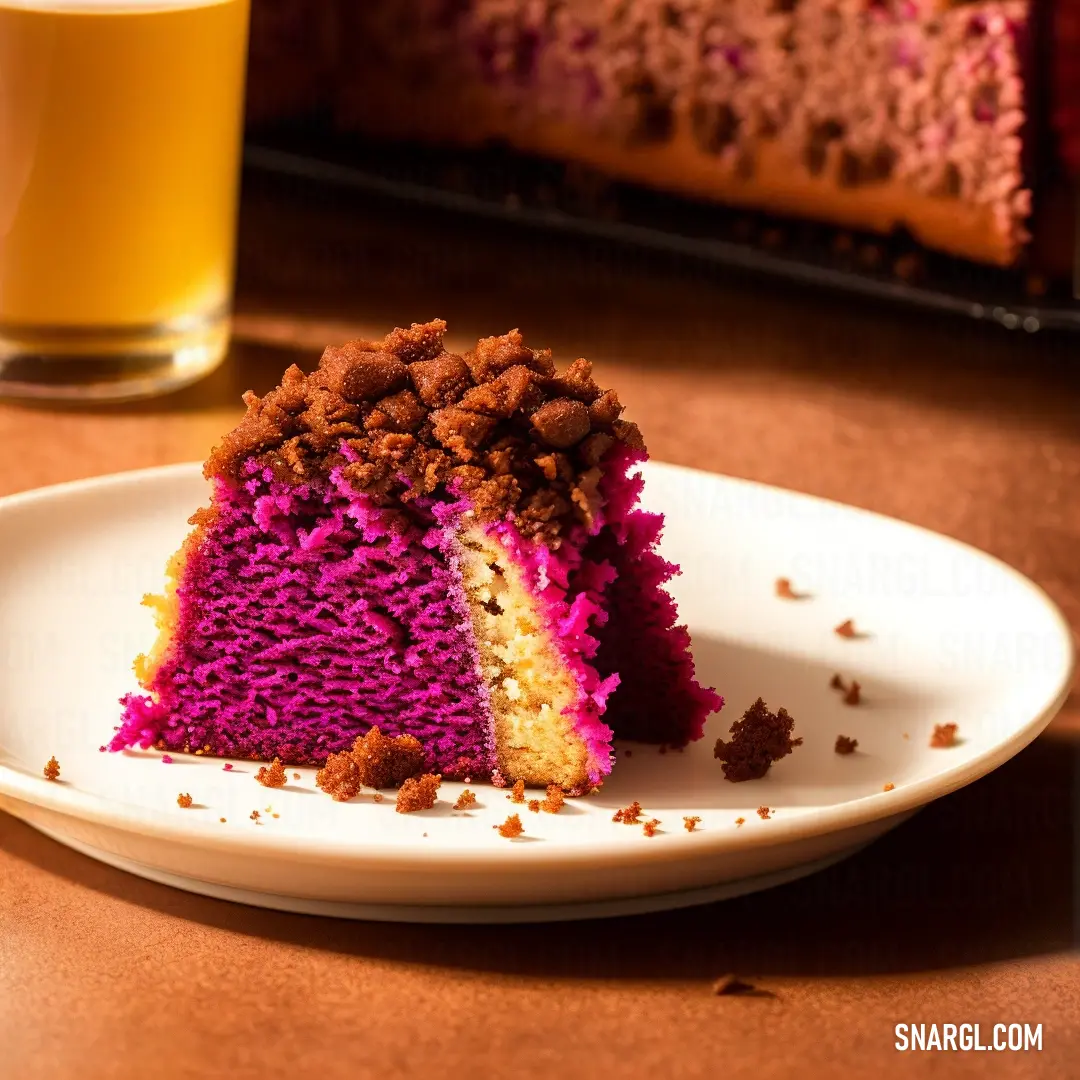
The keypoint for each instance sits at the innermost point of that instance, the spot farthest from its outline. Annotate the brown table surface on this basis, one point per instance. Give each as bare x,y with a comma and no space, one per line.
966,913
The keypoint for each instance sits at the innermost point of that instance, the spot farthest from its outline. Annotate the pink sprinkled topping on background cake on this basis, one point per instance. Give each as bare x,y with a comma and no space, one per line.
440,546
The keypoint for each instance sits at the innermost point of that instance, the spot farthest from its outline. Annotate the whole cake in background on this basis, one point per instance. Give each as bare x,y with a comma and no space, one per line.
437,545
942,118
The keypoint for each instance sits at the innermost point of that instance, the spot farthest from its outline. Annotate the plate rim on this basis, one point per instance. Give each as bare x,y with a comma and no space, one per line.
68,801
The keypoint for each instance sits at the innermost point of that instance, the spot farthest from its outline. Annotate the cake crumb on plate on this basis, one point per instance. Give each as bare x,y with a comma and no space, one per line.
272,775
944,736
764,813
465,800
844,745
52,769
553,800
628,815
760,738
511,827
184,801
418,793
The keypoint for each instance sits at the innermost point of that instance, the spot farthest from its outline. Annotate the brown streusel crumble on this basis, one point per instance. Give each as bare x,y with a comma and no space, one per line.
944,736
418,793
764,813
465,800
273,775
690,824
534,805
511,827
844,745
402,417
852,695
758,739
847,629
377,797
837,683
517,792
184,801
651,826
889,786
740,821
52,769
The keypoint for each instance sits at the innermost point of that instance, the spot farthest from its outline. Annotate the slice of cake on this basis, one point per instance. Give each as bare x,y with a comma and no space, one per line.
441,546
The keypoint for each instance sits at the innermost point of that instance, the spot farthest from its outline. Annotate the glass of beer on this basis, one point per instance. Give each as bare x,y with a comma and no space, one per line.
120,130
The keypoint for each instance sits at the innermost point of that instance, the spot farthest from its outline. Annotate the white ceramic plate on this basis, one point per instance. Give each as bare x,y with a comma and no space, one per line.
951,635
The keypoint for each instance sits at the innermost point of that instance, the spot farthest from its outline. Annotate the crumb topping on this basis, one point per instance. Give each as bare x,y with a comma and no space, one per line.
740,821
629,815
851,697
296,776
377,797
944,736
272,776
758,739
418,793
553,800
764,813
844,745
184,801
847,629
465,800
691,823
511,827
517,792
534,805
403,418
651,826
52,769
888,787
255,816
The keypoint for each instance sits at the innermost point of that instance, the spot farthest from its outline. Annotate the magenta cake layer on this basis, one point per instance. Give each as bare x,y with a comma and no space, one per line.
307,615
305,618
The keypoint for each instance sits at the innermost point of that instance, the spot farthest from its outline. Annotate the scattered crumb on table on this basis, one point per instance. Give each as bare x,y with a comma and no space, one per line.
651,826
740,821
52,769
184,801
517,792
764,813
691,823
